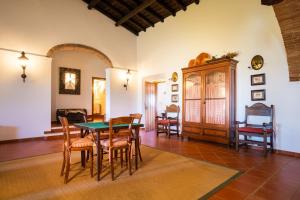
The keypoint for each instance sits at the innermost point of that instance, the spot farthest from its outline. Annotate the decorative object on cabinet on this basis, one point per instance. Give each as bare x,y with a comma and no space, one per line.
264,130
69,81
257,62
191,63
258,95
258,79
174,87
230,55
174,77
202,58
209,101
174,98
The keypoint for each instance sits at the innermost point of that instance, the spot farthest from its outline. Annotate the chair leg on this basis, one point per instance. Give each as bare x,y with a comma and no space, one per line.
129,159
265,146
68,159
169,130
64,163
87,156
121,157
139,151
92,162
272,145
237,141
177,130
111,162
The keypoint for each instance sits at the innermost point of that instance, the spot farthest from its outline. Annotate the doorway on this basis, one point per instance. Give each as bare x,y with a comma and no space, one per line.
98,98
150,105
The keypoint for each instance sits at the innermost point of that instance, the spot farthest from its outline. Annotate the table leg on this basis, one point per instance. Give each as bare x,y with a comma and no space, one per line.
82,152
136,146
99,162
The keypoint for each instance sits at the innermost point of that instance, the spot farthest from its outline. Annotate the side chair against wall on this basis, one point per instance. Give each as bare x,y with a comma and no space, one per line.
169,120
172,115
77,144
264,130
137,117
117,141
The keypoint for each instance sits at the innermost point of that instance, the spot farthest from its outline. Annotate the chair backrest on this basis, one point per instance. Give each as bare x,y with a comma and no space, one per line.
137,117
172,109
117,121
259,110
65,124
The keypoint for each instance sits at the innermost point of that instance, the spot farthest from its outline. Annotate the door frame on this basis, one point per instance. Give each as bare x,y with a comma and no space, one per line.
155,106
95,78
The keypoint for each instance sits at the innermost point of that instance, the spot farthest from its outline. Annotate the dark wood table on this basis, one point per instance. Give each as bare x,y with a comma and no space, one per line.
98,127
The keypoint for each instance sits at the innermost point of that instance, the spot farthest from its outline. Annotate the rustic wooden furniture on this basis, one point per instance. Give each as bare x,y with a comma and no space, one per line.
78,144
264,130
137,117
161,124
74,115
209,99
173,120
99,128
117,142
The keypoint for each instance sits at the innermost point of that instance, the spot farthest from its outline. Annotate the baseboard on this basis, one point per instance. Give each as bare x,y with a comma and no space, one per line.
288,153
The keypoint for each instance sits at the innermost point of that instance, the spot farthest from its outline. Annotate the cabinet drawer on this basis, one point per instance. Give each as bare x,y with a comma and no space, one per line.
215,133
192,129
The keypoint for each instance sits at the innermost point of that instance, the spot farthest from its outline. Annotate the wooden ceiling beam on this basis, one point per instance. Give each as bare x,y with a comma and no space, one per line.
181,5
270,2
120,13
197,2
93,3
138,9
153,13
166,7
139,15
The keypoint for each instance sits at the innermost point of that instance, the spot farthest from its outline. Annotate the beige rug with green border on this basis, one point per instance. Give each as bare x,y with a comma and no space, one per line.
161,175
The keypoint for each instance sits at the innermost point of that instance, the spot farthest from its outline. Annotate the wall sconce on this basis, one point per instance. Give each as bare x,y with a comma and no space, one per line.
128,76
23,60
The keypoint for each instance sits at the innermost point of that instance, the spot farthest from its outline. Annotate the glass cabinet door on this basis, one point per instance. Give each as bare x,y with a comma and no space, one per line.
215,97
192,97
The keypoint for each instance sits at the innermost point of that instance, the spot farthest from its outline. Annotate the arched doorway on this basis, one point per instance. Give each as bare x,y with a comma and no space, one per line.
81,67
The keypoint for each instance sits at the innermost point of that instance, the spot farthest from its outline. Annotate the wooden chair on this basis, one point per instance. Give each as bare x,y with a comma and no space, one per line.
167,122
263,130
77,144
137,117
117,142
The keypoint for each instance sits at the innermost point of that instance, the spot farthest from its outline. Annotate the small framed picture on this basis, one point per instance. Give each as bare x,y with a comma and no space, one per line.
69,81
174,98
258,79
258,95
174,87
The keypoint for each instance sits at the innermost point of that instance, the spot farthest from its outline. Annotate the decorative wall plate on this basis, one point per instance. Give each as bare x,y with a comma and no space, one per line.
174,76
257,62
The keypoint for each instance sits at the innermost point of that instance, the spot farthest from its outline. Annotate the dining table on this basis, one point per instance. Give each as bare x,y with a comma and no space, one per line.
101,127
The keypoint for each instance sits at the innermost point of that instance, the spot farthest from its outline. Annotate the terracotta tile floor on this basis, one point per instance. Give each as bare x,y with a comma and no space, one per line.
274,177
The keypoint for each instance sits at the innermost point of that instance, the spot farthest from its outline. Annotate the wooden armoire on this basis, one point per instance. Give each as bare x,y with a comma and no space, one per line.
209,98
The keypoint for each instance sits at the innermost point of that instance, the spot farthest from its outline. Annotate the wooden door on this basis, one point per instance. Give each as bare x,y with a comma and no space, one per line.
215,106
192,98
150,105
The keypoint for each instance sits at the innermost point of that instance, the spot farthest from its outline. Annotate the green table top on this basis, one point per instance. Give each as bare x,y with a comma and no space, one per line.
103,125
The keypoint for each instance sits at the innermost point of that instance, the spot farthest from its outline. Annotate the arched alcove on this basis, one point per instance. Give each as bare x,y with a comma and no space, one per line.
90,66
79,47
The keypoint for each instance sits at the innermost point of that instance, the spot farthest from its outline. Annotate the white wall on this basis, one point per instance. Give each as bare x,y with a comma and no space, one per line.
119,101
25,107
90,66
217,27
36,26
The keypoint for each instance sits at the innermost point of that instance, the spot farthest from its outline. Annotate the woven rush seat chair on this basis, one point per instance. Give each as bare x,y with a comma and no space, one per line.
168,121
117,142
76,144
252,132
137,117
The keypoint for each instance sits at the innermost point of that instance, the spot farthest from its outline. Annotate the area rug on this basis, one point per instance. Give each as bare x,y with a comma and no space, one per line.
161,175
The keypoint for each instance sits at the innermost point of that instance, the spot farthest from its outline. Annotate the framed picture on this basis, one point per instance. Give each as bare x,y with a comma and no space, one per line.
258,79
174,98
174,87
69,81
258,95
